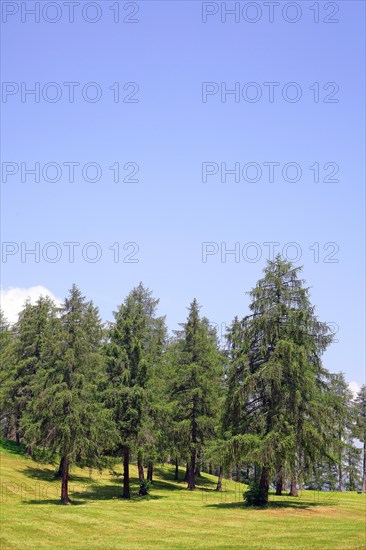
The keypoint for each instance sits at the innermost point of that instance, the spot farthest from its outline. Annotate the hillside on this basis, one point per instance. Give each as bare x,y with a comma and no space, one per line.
171,517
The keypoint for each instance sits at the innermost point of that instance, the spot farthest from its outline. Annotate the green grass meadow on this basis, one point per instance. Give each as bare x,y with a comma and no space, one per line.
170,517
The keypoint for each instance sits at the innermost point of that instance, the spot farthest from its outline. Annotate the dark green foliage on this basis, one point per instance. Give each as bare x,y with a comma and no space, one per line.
22,353
133,353
276,380
196,382
339,421
360,428
255,495
144,487
66,414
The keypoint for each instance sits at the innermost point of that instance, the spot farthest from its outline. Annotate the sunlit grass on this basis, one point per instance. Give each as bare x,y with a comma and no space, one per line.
171,517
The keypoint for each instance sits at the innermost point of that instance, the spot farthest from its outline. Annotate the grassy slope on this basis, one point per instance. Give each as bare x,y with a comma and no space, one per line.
171,517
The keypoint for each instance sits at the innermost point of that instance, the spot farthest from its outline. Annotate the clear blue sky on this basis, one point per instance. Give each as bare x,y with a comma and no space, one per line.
169,133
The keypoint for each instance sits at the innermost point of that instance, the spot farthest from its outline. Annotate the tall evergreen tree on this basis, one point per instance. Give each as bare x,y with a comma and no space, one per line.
66,414
340,422
8,410
360,431
196,384
276,381
23,358
136,342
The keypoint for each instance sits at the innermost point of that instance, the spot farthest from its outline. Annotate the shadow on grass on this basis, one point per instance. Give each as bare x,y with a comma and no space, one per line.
94,492
112,492
274,505
81,490
167,474
54,502
49,475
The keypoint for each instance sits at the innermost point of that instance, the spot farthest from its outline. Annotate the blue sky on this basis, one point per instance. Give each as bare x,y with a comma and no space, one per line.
168,133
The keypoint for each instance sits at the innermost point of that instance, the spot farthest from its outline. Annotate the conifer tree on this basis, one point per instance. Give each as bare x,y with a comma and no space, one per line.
340,422
136,342
66,414
24,356
360,430
198,371
276,381
8,410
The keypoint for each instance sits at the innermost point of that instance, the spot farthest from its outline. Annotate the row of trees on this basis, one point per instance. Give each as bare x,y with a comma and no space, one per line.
86,393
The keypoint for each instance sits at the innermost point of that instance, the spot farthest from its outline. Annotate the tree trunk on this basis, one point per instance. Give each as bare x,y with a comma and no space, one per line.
219,480
340,477
197,471
150,469
140,468
176,471
187,473
279,481
230,474
293,489
65,481
60,468
210,469
247,475
237,473
191,472
126,472
17,432
264,486
364,468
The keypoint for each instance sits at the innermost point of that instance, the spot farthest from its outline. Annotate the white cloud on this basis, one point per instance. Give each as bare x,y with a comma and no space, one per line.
354,387
12,299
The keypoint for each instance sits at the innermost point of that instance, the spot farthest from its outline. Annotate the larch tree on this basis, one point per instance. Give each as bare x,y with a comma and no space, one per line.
340,422
66,413
8,410
277,381
198,371
24,357
135,346
360,428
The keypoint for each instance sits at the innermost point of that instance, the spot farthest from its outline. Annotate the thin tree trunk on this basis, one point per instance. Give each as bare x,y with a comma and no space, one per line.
187,473
126,472
176,471
210,469
293,489
140,468
17,432
279,481
340,477
230,474
264,486
364,468
60,468
237,473
191,472
192,465
150,470
197,471
65,481
219,480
